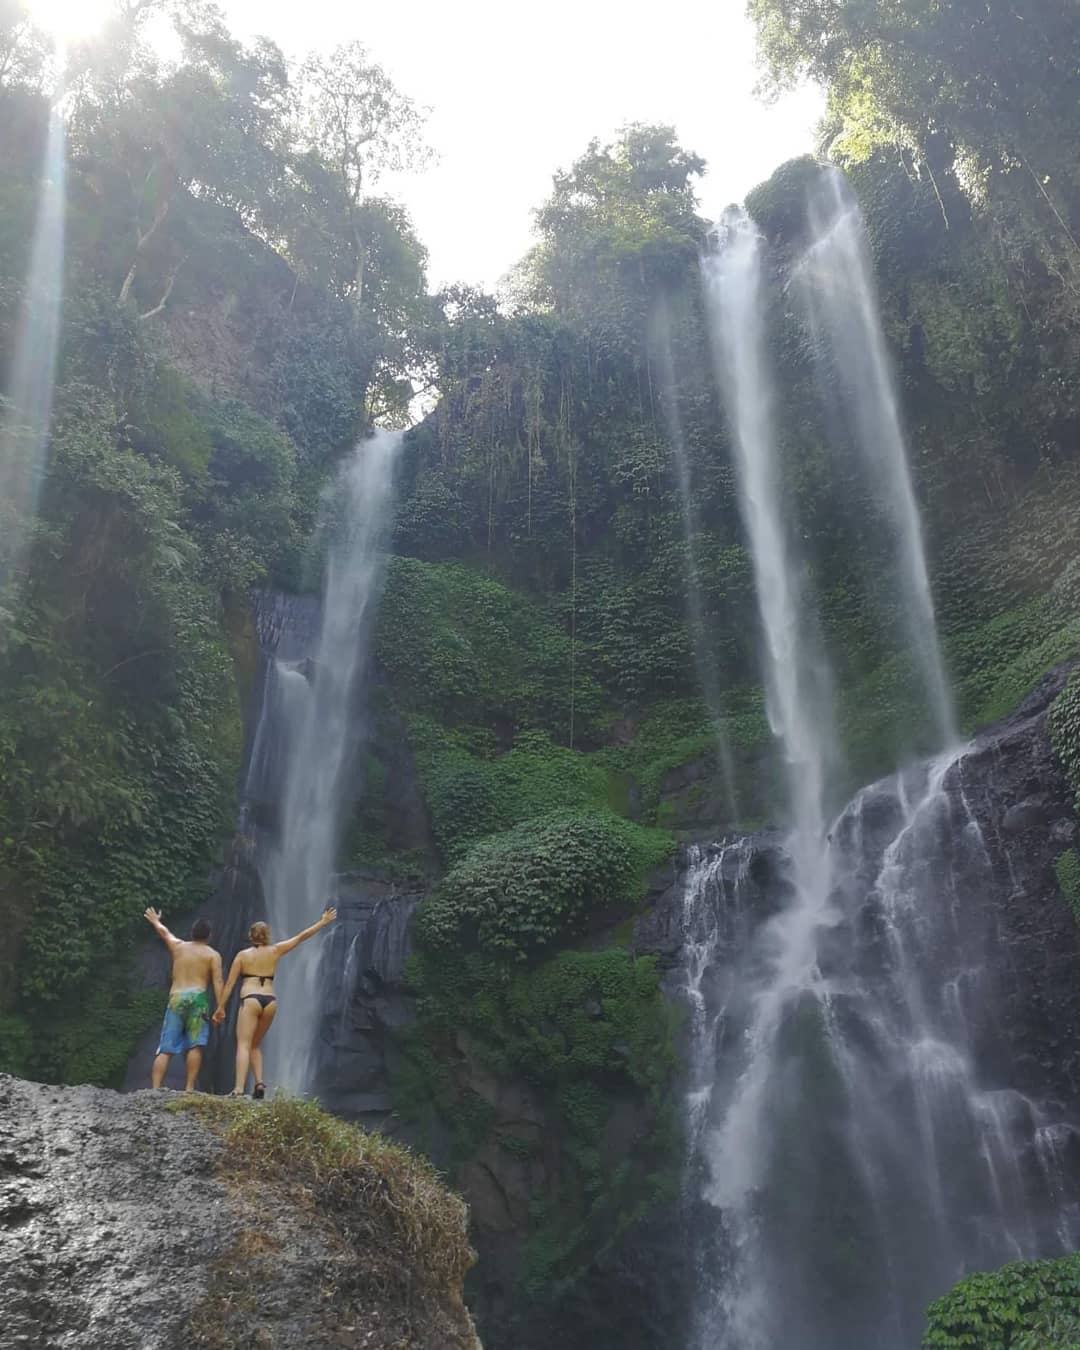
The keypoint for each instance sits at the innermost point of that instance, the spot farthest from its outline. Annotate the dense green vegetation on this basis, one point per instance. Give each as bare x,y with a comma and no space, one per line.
568,642
207,380
1028,1305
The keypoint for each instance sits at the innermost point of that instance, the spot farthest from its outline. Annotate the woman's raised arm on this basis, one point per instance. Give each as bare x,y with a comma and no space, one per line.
328,916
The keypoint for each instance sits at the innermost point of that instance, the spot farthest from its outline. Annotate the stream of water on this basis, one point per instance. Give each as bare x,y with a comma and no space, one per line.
314,709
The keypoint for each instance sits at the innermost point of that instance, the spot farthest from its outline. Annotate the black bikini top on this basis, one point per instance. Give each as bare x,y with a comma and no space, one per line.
251,975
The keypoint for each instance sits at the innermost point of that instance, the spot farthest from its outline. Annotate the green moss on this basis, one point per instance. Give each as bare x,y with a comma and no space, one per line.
459,644
999,661
592,1033
16,1043
165,422
1067,871
1064,724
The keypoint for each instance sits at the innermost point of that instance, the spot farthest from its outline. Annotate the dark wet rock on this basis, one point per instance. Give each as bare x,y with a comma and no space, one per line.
1027,815
368,1002
117,1233
1013,784
758,862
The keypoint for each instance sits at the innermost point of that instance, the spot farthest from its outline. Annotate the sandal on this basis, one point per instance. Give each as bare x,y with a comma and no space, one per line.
259,1091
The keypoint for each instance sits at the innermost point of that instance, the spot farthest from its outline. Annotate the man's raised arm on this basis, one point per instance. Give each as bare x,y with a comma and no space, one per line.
153,918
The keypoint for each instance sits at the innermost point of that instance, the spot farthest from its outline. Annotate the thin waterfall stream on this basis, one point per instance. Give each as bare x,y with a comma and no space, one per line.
707,674
313,706
25,419
836,278
784,960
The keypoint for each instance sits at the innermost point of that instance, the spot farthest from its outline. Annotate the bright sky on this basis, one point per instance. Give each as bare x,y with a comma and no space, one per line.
517,91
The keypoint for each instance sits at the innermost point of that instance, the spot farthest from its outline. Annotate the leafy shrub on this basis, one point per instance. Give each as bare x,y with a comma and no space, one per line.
472,791
778,205
1064,723
453,642
1027,1305
518,892
1067,871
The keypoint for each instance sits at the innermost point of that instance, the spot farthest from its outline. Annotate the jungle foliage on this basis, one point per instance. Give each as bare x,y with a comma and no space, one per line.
1027,1305
569,631
237,306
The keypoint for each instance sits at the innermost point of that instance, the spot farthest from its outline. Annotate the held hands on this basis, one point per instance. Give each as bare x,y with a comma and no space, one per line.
328,916
218,1017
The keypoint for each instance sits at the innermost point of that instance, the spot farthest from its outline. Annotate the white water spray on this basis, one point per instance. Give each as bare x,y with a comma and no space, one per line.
25,420
838,283
797,702
321,739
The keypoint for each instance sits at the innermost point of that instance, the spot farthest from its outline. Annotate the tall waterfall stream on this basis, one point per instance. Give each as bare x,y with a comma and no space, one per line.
306,742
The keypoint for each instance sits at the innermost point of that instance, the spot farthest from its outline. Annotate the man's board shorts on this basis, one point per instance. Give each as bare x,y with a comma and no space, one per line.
187,1022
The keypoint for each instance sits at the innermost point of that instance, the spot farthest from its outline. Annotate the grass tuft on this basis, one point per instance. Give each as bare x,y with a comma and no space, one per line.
382,1198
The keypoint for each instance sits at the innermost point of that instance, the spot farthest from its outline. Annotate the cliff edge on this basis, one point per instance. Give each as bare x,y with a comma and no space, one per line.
154,1220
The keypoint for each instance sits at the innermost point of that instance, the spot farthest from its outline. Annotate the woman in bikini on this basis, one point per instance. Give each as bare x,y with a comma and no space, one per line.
255,967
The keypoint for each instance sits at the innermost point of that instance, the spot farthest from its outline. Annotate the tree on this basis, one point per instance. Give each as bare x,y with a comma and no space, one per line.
983,89
212,127
620,223
24,52
355,124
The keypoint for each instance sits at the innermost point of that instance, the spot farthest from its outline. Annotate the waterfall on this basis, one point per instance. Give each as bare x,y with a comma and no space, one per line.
836,278
796,682
892,1155
25,422
707,673
312,705
856,1140
784,966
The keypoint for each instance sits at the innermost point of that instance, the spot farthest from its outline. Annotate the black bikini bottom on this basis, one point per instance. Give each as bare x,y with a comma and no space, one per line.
264,999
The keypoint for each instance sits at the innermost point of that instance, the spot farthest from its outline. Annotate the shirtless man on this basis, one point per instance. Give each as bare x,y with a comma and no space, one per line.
187,1019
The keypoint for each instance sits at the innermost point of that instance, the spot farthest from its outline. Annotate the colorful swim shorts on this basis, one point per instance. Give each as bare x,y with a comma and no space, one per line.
187,1022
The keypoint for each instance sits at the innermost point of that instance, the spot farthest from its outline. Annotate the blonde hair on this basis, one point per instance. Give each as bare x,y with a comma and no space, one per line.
259,933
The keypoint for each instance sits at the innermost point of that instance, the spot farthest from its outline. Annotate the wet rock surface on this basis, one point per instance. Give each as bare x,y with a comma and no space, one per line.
367,1000
118,1232
1011,786
110,1218
1016,790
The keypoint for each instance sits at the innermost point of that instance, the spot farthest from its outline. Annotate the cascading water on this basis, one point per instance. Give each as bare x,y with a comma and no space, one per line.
894,1154
313,705
836,279
854,1129
24,424
784,964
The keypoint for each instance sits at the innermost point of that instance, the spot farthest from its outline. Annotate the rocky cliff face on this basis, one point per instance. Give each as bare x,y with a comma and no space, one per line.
1013,789
951,938
125,1225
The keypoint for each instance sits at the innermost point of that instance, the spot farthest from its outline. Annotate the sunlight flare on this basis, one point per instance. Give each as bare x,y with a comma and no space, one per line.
70,21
